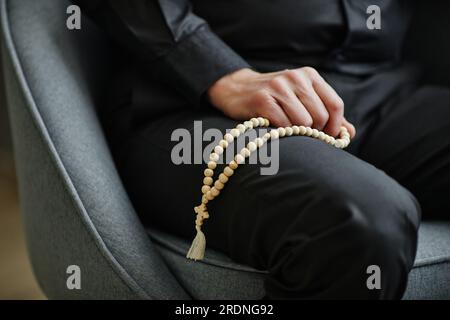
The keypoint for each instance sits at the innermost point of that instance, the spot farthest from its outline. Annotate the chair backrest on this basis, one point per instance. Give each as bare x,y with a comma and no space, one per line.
75,209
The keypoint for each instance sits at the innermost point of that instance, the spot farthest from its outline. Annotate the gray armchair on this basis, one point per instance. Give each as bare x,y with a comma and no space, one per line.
75,209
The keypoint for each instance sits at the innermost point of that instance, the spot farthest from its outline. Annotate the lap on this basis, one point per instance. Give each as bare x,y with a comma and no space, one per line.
256,209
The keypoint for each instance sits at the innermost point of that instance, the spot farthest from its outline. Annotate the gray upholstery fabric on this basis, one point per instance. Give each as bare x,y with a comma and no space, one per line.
430,278
215,277
75,209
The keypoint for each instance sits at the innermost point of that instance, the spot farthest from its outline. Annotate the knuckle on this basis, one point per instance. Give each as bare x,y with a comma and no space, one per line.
337,105
302,82
260,97
277,83
310,71
292,75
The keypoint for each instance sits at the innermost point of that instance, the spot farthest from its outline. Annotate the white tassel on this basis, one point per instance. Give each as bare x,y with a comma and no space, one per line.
197,250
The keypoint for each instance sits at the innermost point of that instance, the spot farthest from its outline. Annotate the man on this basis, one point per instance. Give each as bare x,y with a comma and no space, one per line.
328,214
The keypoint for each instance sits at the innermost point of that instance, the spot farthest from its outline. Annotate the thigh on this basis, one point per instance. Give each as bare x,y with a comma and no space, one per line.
255,213
411,142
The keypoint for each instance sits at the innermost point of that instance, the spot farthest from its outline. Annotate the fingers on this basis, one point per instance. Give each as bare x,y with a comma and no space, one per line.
350,127
303,88
290,103
269,108
301,97
276,114
315,107
333,103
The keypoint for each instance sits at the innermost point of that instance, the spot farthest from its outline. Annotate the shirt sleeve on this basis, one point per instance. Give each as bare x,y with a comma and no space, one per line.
169,39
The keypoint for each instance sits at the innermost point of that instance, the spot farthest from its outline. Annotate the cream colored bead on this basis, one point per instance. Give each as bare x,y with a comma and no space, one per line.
261,121
218,150
248,125
302,130
281,132
274,134
255,122
214,157
252,146
211,192
322,136
241,128
239,159
235,133
339,144
233,165
315,133
266,122
223,178
259,142
219,185
208,173
332,141
228,137
245,152
212,165
209,196
215,192
208,181
224,144
205,189
228,171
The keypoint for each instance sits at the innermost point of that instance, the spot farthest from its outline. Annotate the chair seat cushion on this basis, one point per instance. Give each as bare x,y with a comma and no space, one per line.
218,277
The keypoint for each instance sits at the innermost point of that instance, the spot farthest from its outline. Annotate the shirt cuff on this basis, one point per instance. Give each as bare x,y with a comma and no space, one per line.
198,61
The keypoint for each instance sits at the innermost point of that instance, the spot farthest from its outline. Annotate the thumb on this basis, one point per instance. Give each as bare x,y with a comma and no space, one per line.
351,128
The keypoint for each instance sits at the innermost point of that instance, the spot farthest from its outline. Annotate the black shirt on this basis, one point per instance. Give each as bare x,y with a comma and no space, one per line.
182,46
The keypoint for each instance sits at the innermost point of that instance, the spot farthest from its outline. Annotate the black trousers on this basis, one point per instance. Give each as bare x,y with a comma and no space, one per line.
328,214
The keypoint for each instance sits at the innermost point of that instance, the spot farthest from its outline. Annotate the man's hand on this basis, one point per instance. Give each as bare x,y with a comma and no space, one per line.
291,97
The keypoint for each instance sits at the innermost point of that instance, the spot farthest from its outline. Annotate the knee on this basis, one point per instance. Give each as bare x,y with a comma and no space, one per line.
383,229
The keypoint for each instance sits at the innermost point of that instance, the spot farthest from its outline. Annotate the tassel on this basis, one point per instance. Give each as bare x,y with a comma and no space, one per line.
197,250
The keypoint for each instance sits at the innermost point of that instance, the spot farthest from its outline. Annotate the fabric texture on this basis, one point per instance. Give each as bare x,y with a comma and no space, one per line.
168,40
429,279
75,209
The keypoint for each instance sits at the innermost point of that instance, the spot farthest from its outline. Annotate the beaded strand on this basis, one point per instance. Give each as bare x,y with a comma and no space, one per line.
211,189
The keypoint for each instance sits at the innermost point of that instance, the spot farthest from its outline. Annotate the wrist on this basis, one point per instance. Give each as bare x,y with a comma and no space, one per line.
228,85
